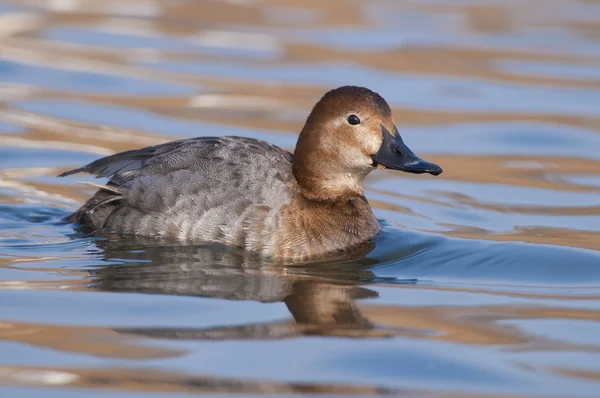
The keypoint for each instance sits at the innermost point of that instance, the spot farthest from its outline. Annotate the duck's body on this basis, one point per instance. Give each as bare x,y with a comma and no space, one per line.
230,190
250,194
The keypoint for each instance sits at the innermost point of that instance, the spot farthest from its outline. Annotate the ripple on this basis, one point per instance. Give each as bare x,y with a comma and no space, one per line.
507,138
502,94
9,128
85,36
492,263
53,77
415,91
20,157
141,119
529,68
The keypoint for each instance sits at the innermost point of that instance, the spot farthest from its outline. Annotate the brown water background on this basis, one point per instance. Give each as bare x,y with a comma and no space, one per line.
486,281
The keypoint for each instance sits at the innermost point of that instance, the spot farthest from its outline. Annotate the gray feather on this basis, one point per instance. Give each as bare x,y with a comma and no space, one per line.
201,189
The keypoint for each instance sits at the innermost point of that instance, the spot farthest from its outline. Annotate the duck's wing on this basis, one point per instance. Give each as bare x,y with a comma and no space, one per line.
171,156
225,190
197,175
127,161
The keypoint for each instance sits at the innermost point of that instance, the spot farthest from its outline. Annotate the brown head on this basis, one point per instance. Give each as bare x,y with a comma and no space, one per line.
349,133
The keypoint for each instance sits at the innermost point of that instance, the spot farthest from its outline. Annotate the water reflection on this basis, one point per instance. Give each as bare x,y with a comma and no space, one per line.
145,381
325,299
321,299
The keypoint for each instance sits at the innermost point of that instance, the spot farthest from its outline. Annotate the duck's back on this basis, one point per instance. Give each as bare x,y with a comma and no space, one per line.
209,189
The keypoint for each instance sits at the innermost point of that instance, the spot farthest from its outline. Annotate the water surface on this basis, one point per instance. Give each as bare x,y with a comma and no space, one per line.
484,282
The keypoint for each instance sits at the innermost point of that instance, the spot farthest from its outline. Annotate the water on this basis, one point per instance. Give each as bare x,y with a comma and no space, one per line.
484,282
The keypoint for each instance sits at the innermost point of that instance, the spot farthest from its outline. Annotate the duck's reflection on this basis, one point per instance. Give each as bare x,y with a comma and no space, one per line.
321,297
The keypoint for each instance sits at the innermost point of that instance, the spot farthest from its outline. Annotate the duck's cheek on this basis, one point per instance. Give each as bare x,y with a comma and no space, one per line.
371,143
354,158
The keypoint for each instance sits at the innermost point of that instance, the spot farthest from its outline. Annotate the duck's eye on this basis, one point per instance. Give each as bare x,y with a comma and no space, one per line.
353,120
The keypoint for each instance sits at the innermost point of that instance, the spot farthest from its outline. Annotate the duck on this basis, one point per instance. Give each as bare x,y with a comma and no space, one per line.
249,194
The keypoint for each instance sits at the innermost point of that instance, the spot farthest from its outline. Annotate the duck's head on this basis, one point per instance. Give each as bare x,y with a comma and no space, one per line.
348,134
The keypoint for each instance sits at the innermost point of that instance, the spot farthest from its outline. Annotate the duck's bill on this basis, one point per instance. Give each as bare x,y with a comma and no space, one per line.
395,155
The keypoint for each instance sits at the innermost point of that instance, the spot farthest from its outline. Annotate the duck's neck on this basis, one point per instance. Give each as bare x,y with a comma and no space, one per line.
325,182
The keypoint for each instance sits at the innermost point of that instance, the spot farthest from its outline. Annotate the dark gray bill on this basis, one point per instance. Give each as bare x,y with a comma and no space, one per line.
395,155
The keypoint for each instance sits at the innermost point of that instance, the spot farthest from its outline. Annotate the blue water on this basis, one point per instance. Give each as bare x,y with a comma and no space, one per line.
484,281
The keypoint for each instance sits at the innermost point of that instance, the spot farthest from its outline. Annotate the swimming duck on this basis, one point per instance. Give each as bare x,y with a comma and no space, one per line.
248,193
